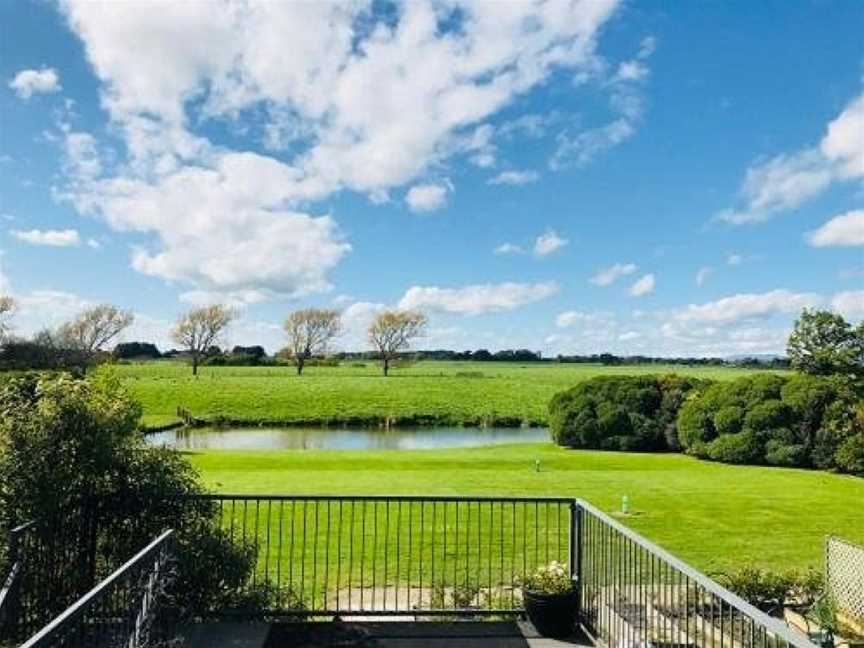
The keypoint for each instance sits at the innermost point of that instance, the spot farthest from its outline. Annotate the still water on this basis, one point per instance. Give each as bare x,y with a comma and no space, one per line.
301,438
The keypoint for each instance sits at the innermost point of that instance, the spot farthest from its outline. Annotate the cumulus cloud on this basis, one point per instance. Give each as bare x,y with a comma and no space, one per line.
849,303
845,230
549,242
339,100
426,197
787,181
608,276
734,259
643,286
514,178
747,306
54,238
477,299
29,82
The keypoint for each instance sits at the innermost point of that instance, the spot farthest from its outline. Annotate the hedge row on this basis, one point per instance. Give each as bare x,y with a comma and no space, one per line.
800,420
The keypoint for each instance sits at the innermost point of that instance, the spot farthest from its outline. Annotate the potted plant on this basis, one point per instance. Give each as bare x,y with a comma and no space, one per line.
824,614
550,600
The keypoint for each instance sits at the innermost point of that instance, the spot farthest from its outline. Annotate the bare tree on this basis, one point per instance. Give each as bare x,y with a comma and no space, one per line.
7,307
197,330
309,332
392,331
93,328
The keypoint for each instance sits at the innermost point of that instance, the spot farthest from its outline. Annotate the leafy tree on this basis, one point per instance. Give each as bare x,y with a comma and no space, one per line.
824,343
93,328
197,330
73,459
392,331
309,332
130,350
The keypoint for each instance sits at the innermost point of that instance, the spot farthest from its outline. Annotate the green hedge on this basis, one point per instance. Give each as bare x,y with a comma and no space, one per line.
800,420
633,413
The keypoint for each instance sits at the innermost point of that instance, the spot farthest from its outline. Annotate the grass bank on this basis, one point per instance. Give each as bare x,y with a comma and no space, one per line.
436,393
713,515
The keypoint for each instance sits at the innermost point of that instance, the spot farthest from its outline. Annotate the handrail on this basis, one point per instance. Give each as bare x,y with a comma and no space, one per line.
770,623
76,609
378,498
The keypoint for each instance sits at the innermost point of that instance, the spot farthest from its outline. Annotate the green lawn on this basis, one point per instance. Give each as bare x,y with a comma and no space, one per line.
452,393
712,515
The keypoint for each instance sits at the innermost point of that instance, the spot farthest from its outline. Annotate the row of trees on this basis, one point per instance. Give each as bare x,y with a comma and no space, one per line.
310,332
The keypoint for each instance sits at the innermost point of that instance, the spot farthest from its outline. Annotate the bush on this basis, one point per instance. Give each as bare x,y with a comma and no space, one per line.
631,413
784,421
73,458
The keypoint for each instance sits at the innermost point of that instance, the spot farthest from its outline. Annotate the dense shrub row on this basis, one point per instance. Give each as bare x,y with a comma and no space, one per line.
621,412
800,420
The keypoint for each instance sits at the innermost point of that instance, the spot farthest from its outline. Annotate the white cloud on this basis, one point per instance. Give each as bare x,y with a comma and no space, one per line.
509,248
573,317
29,82
844,140
845,230
629,335
426,197
514,178
548,242
787,181
747,306
366,103
702,274
643,286
54,238
223,229
734,259
849,303
608,276
477,299
626,102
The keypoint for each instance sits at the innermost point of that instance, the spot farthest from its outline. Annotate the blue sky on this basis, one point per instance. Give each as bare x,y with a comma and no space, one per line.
571,177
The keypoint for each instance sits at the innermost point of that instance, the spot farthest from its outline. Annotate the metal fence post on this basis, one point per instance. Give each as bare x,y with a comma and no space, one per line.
576,554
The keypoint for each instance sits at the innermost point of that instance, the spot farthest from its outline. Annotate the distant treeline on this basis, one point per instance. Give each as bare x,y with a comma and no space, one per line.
257,355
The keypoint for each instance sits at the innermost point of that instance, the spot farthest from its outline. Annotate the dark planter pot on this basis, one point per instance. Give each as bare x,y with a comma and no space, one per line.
553,615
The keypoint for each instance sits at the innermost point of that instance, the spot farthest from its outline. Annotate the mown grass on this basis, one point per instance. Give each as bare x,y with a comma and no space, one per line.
713,515
446,393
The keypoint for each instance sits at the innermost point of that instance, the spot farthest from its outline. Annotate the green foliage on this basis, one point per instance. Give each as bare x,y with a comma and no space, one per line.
800,420
620,412
772,591
70,452
823,343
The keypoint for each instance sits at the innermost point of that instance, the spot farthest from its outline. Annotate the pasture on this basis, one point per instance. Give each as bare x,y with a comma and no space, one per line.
442,393
714,516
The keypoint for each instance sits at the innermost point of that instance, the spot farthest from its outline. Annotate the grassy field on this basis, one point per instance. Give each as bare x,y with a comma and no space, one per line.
451,393
713,515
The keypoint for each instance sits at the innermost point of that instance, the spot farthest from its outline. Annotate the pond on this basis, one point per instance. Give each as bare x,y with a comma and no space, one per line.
305,438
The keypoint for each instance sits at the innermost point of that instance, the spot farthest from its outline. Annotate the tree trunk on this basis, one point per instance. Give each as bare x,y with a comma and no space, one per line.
386,366
194,364
300,363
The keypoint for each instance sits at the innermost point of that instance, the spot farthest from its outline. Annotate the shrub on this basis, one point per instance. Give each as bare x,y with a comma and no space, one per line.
784,421
631,413
72,456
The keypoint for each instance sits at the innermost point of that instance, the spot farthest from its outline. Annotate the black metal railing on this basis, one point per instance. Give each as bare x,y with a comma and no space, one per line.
51,564
421,556
633,593
121,611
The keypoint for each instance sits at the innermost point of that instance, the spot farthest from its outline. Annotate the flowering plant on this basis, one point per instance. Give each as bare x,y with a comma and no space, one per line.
550,579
